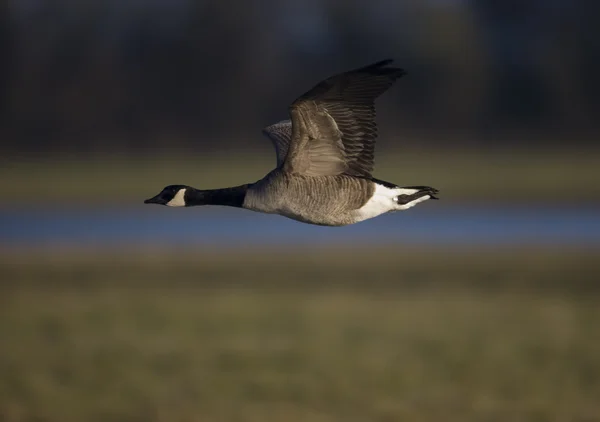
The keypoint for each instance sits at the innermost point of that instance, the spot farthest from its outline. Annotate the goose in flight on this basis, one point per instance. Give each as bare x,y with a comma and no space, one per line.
325,156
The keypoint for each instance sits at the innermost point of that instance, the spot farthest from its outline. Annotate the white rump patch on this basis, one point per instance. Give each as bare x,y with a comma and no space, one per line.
178,200
383,201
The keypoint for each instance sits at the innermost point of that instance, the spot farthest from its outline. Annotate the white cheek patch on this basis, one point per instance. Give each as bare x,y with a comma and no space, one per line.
178,200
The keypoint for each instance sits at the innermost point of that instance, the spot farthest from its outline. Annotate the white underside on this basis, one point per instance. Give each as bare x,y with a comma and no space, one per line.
383,201
178,200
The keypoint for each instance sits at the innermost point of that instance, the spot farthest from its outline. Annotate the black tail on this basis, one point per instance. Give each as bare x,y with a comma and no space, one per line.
422,191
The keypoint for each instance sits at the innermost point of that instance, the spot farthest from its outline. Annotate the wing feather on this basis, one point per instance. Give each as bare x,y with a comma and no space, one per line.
333,124
280,134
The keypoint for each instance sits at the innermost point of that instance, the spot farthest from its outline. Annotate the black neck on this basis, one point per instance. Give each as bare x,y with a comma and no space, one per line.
231,197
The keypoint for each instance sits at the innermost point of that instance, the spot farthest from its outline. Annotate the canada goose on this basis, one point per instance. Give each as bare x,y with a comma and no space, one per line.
324,159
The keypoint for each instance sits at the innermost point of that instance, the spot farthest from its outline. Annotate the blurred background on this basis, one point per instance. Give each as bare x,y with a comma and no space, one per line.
480,306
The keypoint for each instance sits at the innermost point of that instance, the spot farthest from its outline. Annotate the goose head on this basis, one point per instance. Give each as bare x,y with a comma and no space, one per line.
171,196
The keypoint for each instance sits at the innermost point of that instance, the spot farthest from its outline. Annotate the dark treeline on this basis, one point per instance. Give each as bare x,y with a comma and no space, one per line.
122,75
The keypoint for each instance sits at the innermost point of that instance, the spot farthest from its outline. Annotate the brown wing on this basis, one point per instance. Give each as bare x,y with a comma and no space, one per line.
280,135
333,124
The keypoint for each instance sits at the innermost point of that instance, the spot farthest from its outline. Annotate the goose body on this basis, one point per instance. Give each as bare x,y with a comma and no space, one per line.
325,157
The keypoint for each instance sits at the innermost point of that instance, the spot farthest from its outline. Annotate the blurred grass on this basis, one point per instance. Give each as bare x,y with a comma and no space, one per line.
478,175
300,335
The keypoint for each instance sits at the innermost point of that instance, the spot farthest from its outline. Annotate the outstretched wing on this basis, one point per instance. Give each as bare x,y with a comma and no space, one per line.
280,135
333,124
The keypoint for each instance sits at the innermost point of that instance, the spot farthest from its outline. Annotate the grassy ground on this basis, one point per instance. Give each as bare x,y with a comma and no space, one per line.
500,175
311,336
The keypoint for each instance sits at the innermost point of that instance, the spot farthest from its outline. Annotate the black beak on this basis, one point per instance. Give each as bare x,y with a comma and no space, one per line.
156,200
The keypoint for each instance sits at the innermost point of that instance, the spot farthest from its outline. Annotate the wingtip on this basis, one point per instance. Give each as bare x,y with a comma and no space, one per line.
380,65
383,62
276,125
377,65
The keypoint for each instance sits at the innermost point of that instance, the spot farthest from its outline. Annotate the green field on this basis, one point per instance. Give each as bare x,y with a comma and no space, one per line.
473,175
303,335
